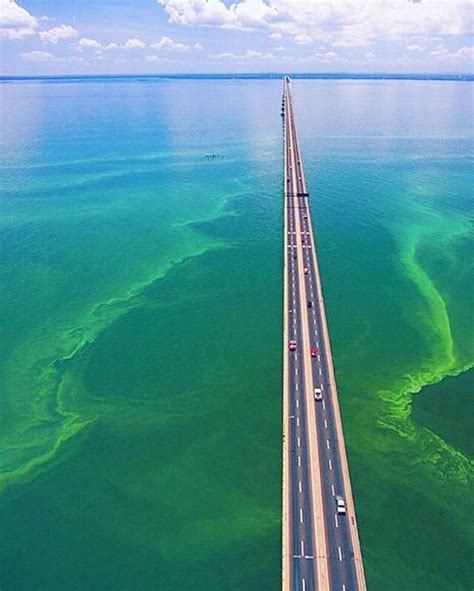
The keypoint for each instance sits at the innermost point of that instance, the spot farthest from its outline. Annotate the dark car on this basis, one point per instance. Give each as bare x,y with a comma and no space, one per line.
310,304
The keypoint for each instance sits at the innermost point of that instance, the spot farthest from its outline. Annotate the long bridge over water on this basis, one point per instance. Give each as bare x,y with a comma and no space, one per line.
321,549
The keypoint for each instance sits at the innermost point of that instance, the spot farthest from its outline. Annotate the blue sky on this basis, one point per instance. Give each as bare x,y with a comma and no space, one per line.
198,36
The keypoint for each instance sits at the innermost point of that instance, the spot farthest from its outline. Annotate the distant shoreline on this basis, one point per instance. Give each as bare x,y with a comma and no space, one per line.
262,76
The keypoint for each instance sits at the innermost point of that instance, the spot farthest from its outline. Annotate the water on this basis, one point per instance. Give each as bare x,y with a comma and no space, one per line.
141,314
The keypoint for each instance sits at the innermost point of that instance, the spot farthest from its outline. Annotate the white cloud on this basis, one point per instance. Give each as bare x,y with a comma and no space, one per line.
47,57
15,21
250,54
303,39
352,41
134,44
196,12
57,33
467,52
369,55
86,43
251,14
415,47
153,58
279,48
330,56
39,56
16,33
168,44
275,36
225,55
245,14
326,57
440,50
361,19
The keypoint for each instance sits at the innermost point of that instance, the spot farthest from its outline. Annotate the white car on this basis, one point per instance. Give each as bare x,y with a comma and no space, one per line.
306,270
318,395
341,505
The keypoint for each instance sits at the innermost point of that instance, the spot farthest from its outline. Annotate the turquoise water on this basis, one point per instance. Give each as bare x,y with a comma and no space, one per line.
141,315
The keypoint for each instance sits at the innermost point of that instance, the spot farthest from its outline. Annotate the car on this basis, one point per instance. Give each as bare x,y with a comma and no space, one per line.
318,395
340,505
305,216
310,304
314,351
302,239
306,270
295,256
292,345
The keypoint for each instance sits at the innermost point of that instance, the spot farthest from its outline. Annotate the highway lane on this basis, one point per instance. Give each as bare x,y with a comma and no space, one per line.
308,569
339,546
339,543
340,550
301,542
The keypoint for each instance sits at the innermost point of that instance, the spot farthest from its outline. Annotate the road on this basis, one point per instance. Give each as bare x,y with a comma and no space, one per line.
320,548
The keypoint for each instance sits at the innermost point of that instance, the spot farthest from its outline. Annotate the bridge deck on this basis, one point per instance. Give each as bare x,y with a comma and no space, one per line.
321,548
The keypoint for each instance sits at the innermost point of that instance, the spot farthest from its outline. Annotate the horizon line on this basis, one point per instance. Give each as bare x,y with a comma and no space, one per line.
259,75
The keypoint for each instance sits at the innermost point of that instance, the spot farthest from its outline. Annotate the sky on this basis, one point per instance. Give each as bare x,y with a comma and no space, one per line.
53,37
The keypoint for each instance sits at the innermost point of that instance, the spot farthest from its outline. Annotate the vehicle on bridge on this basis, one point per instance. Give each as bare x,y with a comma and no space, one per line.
318,395
292,345
314,351
341,505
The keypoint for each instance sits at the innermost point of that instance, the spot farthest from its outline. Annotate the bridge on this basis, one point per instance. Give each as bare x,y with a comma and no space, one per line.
320,541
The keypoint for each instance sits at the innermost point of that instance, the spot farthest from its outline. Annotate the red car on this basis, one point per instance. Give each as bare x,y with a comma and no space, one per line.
292,345
314,351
